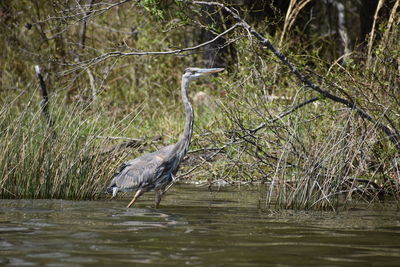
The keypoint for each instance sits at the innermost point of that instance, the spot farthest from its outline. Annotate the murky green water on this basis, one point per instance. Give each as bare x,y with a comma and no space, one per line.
193,227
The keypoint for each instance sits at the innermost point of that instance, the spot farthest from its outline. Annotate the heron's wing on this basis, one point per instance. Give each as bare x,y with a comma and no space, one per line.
138,175
141,171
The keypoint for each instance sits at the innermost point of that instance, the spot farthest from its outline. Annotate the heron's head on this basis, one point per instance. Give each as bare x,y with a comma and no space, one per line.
193,73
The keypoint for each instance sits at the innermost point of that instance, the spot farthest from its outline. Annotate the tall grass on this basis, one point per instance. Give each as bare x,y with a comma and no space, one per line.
34,163
321,172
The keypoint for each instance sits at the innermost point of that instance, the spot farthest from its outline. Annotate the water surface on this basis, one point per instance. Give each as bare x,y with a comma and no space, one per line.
193,227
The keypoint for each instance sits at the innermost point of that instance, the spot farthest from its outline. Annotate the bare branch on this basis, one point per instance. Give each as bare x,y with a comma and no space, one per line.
44,104
284,114
90,62
82,33
395,139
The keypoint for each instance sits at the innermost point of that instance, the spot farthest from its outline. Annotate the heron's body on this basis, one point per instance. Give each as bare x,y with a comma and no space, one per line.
149,171
156,170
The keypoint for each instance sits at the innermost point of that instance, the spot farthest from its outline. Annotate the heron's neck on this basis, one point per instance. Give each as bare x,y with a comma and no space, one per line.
184,141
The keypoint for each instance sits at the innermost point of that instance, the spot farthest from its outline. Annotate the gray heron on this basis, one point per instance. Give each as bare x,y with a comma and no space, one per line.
156,170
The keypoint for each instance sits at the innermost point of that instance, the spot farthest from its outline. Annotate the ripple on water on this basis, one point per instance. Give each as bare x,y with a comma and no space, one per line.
192,227
14,229
49,255
85,235
16,262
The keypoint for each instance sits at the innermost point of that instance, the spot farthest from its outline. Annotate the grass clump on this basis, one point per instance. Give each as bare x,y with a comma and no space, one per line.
35,163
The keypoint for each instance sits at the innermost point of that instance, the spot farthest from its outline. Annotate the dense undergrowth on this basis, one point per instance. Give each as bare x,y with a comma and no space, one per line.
314,157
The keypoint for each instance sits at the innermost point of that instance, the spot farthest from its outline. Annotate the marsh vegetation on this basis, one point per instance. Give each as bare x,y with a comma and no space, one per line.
309,103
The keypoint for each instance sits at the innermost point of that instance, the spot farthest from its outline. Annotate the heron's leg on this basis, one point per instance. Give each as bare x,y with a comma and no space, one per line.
114,192
159,194
137,195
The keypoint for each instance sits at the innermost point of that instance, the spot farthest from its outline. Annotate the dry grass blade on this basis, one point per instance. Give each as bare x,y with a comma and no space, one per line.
372,34
292,12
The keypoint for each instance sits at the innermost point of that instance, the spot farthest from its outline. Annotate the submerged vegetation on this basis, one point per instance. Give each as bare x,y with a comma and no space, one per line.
110,99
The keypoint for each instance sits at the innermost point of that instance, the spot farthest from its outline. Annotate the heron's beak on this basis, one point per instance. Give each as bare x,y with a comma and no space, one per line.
209,71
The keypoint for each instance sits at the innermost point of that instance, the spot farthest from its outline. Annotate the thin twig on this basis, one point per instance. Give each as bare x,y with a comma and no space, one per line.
121,146
129,143
284,114
119,138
